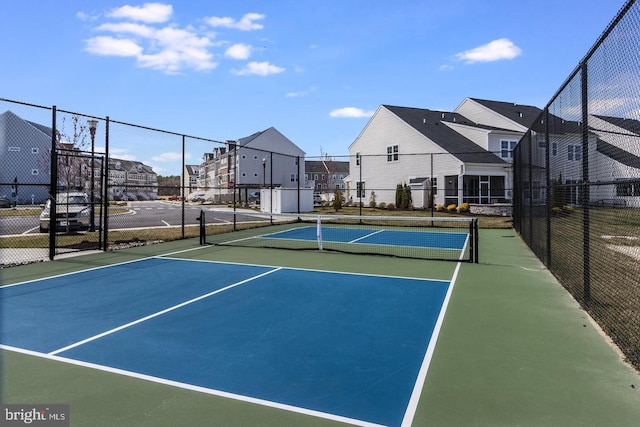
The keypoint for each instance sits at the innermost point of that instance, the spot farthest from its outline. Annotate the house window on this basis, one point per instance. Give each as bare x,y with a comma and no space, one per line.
358,159
14,148
306,177
293,177
35,171
392,153
324,177
434,185
574,152
506,149
360,189
35,150
315,176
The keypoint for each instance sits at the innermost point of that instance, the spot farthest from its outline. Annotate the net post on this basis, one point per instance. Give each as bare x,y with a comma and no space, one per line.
476,240
201,218
319,232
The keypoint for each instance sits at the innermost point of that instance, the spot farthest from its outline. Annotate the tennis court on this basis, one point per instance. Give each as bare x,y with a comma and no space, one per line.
184,334
284,337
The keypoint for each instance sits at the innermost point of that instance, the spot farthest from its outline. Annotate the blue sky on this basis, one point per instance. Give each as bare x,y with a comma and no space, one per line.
315,70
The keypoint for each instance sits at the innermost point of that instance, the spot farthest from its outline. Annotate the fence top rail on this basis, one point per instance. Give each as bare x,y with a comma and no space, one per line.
113,121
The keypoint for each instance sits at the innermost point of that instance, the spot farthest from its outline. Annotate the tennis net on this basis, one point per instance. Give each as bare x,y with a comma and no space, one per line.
436,238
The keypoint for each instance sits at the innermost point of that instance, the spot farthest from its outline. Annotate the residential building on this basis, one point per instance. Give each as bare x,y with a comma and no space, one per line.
25,159
131,180
613,161
263,159
190,179
324,176
445,157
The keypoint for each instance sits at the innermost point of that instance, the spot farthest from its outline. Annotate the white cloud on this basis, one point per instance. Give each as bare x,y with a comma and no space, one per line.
147,34
168,49
246,23
128,28
300,93
259,69
170,156
149,12
121,154
495,50
109,46
350,112
238,51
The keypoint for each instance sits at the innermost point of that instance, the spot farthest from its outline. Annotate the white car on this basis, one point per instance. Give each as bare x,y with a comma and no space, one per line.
73,212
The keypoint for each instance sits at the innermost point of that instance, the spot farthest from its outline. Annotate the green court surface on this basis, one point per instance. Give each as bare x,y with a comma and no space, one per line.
514,349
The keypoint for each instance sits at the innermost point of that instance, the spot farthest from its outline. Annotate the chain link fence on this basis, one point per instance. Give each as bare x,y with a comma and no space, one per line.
577,183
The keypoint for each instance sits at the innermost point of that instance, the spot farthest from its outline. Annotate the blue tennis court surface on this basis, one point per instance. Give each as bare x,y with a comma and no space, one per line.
344,345
421,239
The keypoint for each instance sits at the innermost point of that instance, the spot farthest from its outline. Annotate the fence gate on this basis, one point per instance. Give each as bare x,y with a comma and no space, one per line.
76,209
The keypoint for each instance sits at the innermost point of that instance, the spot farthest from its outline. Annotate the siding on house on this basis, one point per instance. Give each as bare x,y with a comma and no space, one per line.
471,161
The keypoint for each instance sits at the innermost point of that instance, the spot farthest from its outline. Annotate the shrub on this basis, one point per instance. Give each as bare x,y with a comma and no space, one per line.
338,200
372,200
451,207
463,208
440,208
382,205
391,207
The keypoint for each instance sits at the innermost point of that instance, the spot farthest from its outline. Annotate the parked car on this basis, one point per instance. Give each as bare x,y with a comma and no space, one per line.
196,197
175,198
73,212
4,202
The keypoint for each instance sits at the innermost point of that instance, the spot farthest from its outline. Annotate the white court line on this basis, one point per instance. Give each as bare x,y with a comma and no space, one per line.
368,235
315,270
192,387
424,368
159,313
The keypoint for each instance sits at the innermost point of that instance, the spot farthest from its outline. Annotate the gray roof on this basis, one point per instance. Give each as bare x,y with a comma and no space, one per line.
432,125
524,115
317,166
192,169
631,125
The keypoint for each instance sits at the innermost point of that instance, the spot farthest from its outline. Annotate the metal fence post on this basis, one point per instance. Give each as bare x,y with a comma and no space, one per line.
53,186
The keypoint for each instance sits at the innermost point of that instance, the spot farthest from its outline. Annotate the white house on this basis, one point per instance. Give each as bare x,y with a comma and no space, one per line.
613,160
264,159
460,156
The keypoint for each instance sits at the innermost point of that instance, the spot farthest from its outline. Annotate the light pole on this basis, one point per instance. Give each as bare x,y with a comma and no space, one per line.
93,124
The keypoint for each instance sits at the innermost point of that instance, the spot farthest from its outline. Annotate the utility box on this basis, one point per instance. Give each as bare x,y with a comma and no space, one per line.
285,200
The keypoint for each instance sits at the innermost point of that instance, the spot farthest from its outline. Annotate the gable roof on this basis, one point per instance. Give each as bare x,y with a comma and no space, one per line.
192,169
433,125
524,115
631,125
319,166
